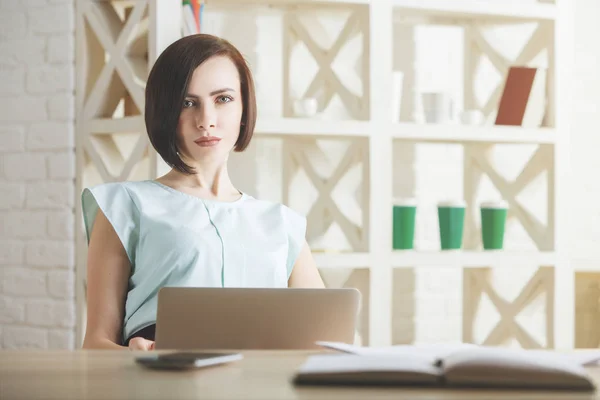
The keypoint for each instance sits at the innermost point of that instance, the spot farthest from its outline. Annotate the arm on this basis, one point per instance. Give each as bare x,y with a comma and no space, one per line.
305,273
108,273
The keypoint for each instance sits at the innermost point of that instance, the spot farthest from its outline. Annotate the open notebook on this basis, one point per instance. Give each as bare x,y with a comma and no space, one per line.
448,365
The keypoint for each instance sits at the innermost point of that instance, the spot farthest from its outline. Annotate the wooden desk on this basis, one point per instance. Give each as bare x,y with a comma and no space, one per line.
261,375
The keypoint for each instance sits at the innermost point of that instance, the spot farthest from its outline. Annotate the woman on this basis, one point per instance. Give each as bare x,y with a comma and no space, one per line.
190,227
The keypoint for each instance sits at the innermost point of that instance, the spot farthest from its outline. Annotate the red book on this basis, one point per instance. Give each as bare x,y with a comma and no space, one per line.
522,102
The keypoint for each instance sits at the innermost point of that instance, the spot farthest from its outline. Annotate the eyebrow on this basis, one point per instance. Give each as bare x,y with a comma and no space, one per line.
218,91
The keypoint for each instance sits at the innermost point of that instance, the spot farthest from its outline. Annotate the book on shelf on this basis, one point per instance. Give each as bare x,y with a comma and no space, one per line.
452,365
523,100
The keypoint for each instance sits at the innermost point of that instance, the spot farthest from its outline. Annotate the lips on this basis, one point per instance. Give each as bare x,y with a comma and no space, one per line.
207,141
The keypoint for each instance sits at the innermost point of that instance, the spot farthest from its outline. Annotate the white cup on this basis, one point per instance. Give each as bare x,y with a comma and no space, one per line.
437,107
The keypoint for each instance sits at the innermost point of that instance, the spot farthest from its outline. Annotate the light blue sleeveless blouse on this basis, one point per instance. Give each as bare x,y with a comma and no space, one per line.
176,239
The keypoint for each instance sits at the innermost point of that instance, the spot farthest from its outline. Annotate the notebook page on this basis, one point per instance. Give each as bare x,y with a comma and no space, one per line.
434,352
501,367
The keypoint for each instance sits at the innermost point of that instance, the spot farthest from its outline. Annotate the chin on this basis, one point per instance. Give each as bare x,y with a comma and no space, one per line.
211,154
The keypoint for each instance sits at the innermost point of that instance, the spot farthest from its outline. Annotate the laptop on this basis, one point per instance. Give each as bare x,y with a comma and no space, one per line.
191,318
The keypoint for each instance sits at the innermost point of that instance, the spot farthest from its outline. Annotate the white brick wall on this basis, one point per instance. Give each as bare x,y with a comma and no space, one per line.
37,174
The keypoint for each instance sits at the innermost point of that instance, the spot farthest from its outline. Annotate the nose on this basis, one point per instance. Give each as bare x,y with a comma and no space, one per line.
206,117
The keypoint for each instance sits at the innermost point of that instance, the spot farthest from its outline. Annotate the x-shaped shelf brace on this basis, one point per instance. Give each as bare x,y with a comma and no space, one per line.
478,162
115,81
477,281
324,212
326,80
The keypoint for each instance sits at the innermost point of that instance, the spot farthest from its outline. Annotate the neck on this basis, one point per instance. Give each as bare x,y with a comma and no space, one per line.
210,177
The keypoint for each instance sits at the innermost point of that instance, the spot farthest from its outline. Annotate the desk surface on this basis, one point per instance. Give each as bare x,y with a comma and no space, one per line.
261,375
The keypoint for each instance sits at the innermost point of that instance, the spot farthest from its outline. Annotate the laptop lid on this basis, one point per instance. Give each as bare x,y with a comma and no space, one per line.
254,318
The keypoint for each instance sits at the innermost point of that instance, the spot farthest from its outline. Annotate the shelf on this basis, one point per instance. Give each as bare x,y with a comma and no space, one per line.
490,10
311,127
432,133
459,259
455,133
444,259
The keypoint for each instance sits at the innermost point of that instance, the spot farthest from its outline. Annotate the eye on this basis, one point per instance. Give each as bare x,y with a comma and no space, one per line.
224,99
188,103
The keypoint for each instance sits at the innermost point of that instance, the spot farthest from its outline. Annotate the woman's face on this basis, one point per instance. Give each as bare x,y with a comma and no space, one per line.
209,123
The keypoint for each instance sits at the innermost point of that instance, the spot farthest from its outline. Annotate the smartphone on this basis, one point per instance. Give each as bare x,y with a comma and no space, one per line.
186,360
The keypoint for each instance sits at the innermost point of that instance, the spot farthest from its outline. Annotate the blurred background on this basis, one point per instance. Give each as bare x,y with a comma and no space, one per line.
362,103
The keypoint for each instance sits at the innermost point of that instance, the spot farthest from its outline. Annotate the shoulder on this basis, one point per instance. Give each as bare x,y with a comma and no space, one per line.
104,188
129,192
117,202
129,187
113,198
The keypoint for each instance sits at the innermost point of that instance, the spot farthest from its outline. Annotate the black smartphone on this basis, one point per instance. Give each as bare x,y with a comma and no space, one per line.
186,360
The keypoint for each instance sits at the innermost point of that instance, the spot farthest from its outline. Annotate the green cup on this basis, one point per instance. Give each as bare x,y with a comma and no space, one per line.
451,219
404,216
493,223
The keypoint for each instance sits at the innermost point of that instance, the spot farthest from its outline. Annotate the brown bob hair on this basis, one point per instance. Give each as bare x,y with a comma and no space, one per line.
167,86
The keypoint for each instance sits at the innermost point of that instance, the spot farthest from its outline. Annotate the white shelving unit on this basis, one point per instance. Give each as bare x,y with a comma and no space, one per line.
470,259
380,133
435,259
434,133
376,134
442,133
307,127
